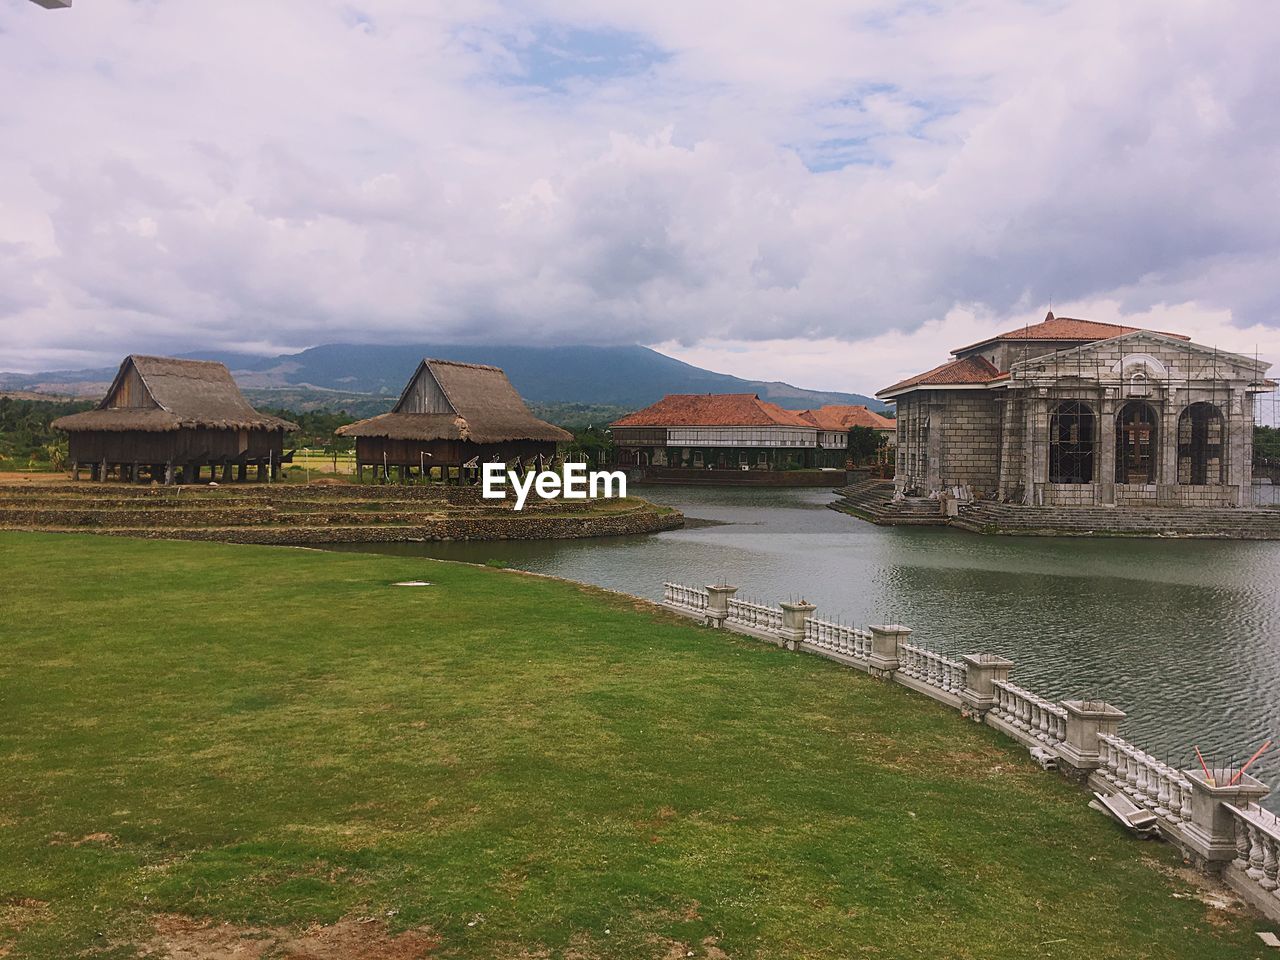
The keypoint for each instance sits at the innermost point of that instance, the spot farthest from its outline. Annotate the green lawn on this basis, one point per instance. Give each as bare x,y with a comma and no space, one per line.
277,737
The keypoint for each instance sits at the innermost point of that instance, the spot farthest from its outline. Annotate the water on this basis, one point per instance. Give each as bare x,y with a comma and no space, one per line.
1182,635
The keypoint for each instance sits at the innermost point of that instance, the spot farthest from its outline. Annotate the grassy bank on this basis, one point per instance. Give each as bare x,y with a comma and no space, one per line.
508,767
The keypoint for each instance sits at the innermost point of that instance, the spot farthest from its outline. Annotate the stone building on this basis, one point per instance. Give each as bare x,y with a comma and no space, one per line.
1074,412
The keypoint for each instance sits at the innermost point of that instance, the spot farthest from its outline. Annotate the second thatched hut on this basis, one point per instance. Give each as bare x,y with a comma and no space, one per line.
452,415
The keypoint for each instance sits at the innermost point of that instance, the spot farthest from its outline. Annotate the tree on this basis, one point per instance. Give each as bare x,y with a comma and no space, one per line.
864,442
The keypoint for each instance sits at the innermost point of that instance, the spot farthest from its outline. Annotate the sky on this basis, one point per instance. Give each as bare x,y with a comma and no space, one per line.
832,193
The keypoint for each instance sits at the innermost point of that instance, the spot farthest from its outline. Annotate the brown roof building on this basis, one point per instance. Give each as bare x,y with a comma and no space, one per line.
1075,412
737,431
166,418
451,415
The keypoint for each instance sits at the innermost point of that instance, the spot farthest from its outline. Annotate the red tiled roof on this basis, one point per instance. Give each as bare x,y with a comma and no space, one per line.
712,409
970,370
1065,328
844,417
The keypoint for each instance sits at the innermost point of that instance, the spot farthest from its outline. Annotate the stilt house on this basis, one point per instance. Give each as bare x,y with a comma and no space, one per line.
166,419
453,415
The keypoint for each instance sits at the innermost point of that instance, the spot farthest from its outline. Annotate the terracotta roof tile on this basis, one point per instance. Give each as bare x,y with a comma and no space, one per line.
712,409
1065,328
844,417
970,370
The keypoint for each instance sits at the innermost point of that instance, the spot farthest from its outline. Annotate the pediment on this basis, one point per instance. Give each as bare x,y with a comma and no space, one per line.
1144,354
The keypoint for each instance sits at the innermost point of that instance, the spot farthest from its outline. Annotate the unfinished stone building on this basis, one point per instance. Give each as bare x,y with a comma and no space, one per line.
1075,412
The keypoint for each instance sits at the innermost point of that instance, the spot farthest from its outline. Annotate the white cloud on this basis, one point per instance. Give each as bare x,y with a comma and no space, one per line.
219,174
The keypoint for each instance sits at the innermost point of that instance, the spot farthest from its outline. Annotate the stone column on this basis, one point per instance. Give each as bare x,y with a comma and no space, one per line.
1210,835
937,424
1238,444
1106,479
884,649
794,616
718,597
1167,467
1085,720
981,671
1036,447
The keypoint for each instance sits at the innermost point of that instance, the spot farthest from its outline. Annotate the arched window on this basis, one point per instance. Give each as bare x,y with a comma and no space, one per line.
1136,443
1072,429
1200,444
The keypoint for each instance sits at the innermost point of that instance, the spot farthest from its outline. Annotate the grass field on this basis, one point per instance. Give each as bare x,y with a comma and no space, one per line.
217,751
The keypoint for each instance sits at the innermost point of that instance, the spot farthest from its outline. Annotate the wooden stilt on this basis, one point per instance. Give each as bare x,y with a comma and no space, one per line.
75,470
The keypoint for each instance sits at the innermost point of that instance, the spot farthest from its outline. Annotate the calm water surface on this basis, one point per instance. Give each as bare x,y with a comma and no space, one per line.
1183,635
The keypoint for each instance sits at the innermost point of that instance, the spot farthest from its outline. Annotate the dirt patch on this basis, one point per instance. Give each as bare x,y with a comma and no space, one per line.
1222,907
17,913
103,838
183,938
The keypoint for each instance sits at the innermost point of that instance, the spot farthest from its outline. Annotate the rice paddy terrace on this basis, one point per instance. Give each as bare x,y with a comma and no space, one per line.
315,513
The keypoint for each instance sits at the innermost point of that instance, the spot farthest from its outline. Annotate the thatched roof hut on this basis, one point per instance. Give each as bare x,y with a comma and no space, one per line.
156,394
162,412
449,414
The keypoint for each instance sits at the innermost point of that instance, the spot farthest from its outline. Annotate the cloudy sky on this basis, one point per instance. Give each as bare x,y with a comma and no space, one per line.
832,192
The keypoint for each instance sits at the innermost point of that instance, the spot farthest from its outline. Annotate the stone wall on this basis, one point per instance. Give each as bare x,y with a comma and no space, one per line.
970,429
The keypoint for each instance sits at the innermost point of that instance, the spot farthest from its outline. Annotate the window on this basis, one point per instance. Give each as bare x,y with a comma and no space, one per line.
1136,443
1072,429
1200,436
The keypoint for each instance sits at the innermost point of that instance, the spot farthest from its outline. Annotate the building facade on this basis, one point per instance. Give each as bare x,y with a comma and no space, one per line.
1074,412
738,431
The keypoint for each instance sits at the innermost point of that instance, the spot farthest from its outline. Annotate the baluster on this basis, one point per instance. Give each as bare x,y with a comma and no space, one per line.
1270,865
1153,782
1135,771
1175,796
1256,857
1162,790
1242,843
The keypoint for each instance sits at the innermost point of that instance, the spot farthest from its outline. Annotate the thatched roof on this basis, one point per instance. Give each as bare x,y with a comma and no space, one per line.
478,403
158,394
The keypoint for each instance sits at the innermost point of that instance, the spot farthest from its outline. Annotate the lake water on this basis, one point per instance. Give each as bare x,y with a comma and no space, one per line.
1182,635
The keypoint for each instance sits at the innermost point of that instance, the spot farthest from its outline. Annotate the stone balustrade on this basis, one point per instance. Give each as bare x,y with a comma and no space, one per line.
1214,818
1150,782
840,639
689,598
1038,719
755,616
931,668
1257,847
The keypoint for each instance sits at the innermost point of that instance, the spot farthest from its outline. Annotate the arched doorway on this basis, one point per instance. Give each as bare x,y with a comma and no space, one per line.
1201,433
1072,432
1136,443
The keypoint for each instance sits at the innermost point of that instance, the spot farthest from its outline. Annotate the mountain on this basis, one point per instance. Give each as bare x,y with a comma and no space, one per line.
614,377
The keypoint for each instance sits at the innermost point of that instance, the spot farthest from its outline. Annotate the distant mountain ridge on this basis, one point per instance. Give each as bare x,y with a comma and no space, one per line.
625,377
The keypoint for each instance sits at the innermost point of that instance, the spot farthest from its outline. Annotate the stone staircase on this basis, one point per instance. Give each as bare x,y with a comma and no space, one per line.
1226,523
872,500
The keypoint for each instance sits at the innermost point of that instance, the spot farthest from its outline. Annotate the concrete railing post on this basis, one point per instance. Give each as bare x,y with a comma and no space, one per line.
884,649
981,671
794,616
1210,835
1085,720
718,596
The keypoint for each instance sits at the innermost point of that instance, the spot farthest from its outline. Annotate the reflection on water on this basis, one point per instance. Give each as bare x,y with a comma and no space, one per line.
1184,635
